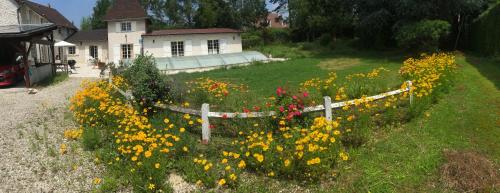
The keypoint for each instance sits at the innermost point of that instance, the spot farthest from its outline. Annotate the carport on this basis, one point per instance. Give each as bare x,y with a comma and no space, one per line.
33,45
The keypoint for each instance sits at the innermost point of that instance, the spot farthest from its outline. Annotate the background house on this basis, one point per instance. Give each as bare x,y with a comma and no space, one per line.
25,42
127,36
275,20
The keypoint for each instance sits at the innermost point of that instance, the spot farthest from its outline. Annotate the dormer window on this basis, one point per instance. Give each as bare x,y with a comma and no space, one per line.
126,27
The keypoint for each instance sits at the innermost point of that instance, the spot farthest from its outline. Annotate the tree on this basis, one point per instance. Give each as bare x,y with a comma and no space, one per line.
100,10
379,20
86,24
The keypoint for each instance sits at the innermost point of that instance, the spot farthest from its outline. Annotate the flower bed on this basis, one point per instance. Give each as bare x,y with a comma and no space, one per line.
290,145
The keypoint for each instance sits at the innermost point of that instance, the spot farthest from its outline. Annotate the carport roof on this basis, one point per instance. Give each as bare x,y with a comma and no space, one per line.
24,30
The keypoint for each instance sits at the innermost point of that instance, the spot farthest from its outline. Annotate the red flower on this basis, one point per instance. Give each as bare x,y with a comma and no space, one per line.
224,116
282,108
294,97
212,126
280,91
305,94
256,108
246,110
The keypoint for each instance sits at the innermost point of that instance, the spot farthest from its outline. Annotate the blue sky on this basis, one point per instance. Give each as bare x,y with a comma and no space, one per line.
74,10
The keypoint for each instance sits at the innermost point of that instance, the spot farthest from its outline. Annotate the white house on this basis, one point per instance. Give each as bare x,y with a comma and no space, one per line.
128,36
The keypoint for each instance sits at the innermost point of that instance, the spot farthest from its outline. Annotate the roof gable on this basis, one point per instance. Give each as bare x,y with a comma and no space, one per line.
50,14
125,9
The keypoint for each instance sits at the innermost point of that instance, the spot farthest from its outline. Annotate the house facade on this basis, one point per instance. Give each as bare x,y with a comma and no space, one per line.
9,12
34,13
128,36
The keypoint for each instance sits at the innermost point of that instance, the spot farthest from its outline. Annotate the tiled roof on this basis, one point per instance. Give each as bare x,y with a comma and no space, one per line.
192,31
125,9
93,35
52,15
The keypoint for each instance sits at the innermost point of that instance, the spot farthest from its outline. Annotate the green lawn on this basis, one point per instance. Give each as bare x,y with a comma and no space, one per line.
401,158
407,158
263,79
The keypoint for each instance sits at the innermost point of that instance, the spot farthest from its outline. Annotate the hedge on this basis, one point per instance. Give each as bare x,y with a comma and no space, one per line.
485,32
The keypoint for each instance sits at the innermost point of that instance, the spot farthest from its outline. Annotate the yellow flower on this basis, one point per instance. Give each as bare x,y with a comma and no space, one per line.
242,164
63,149
224,161
222,182
185,149
147,154
279,148
259,157
287,163
271,174
227,168
97,180
134,158
157,165
233,177
182,129
151,186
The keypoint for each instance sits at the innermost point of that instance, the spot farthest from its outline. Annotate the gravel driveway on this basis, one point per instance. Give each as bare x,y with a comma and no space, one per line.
31,132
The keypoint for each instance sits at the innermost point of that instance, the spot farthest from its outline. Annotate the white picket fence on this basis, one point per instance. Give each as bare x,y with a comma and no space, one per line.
205,113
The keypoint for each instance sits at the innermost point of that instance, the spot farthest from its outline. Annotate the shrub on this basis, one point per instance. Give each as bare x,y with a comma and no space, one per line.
147,84
325,39
273,35
252,39
422,35
91,138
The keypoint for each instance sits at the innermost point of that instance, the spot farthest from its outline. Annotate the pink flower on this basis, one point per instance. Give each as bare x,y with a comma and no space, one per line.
280,91
295,97
282,108
305,94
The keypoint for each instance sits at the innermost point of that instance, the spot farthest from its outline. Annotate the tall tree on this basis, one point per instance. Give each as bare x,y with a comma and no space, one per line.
100,10
86,24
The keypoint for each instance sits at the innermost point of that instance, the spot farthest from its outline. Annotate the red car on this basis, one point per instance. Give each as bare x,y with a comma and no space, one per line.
10,74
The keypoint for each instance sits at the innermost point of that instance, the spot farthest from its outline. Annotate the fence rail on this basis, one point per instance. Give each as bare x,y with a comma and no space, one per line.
205,113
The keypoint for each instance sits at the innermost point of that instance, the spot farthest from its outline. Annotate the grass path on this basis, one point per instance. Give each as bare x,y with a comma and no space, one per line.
407,159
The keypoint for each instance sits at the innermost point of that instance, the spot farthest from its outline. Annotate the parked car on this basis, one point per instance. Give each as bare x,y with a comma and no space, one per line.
11,73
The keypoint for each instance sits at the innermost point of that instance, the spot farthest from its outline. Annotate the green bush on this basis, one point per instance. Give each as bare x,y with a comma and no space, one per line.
91,138
422,35
148,85
273,35
252,39
325,39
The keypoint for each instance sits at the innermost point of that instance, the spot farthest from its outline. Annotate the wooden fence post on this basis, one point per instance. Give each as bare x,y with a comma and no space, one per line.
328,108
410,91
205,125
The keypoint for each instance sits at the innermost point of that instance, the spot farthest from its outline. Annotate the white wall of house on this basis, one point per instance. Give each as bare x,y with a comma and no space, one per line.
194,44
116,38
8,12
82,52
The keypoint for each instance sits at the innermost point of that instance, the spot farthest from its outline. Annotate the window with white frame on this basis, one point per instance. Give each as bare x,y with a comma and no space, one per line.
94,52
127,51
72,50
213,47
177,48
126,27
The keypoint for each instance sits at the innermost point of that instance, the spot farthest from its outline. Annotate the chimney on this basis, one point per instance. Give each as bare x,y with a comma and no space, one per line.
48,4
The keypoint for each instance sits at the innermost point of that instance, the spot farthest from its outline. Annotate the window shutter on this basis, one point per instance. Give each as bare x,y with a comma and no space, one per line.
87,54
137,50
167,49
118,27
133,26
189,48
116,54
222,45
204,47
